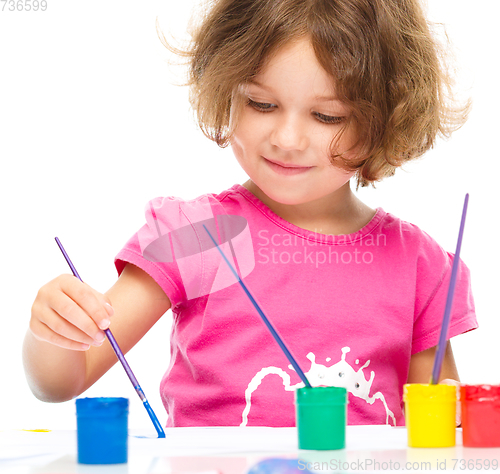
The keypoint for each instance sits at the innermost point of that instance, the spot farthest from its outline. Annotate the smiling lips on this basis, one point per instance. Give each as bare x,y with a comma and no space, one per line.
287,170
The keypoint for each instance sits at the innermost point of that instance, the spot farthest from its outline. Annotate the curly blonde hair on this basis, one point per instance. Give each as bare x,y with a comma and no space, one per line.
384,60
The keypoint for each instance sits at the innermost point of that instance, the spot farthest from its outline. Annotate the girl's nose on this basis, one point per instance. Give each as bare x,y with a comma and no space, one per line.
289,134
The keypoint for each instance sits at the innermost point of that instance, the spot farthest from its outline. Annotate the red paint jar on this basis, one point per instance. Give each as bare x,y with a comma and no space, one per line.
480,415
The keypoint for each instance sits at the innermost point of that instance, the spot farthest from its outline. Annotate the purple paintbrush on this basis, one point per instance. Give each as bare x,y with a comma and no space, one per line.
441,348
121,357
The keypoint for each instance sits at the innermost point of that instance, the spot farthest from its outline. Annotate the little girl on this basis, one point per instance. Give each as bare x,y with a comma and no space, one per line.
309,94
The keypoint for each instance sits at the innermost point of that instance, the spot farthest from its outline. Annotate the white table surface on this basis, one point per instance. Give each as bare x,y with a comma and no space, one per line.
235,450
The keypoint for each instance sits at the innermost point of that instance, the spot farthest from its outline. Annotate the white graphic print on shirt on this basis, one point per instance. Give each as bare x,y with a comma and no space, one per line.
340,374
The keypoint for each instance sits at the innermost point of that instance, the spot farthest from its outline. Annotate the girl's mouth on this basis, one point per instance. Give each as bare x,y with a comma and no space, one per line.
287,170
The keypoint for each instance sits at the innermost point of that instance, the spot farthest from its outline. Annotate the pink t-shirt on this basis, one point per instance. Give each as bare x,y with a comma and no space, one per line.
352,309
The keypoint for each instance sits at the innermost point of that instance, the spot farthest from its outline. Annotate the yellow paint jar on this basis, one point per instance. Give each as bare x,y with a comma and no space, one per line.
430,412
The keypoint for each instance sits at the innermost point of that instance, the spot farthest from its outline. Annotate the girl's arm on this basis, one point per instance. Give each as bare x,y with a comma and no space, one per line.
422,363
68,313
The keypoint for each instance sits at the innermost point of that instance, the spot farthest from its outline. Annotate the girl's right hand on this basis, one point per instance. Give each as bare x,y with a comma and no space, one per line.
70,314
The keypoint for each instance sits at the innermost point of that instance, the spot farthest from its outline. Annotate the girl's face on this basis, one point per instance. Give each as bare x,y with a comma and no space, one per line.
284,133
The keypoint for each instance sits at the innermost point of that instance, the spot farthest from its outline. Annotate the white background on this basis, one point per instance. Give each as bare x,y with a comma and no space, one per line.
92,126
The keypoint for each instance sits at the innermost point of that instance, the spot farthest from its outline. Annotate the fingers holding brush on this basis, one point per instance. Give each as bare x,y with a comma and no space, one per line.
70,314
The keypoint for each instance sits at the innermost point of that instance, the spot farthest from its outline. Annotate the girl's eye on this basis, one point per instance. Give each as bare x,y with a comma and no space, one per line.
268,107
261,106
328,118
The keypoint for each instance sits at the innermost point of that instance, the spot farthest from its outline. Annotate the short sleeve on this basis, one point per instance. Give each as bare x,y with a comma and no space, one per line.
434,267
163,269
183,246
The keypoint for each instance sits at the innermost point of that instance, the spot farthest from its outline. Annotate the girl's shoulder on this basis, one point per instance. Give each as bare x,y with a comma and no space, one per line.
406,232
403,241
165,203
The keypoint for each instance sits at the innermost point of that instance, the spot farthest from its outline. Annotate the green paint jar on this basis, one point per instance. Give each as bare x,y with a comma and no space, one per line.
321,416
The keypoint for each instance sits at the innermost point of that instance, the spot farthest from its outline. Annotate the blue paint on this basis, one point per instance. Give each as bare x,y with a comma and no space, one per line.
151,413
102,430
279,466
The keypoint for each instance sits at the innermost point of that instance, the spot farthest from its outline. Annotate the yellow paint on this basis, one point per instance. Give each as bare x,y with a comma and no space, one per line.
38,431
430,415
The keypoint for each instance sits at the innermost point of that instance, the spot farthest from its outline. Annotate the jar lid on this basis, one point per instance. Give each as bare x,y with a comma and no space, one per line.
480,392
321,395
436,392
102,406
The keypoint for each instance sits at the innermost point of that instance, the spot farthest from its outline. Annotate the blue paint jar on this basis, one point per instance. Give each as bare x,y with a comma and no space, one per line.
102,430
